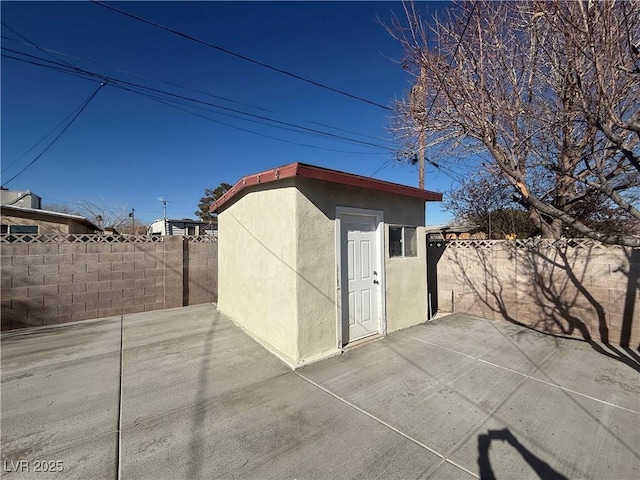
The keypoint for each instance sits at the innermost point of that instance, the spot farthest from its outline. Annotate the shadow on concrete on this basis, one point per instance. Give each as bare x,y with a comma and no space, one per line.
197,455
557,286
542,468
491,413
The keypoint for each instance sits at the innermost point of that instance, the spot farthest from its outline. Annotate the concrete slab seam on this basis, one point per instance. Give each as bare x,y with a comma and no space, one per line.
558,385
489,416
382,422
497,407
584,395
528,377
433,470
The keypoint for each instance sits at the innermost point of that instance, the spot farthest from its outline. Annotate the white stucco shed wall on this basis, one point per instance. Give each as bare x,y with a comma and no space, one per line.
405,278
277,266
257,280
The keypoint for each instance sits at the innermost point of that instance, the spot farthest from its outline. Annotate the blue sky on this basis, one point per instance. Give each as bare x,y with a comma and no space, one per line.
125,149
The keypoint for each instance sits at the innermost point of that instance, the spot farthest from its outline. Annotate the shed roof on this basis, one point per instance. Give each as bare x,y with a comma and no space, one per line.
318,173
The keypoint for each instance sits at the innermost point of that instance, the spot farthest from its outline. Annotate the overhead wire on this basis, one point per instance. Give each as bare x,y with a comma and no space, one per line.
435,98
242,57
226,99
447,171
254,132
35,45
119,83
7,167
173,102
234,110
82,108
320,124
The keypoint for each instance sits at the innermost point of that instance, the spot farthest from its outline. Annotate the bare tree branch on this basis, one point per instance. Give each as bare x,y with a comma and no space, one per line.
550,90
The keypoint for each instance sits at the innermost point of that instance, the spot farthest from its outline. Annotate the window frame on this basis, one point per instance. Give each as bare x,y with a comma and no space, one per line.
403,241
18,227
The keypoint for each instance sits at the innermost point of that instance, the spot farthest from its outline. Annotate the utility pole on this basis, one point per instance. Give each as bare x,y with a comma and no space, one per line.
133,221
421,142
418,107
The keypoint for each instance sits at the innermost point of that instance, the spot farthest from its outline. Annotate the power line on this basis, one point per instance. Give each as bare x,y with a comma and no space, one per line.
84,105
234,110
455,52
435,98
122,84
80,71
243,57
42,139
266,109
295,130
251,131
36,46
382,166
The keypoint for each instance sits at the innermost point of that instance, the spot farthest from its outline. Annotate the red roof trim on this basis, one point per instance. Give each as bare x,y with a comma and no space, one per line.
318,173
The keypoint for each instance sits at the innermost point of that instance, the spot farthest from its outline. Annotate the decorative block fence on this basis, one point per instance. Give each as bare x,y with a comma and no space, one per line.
570,287
49,279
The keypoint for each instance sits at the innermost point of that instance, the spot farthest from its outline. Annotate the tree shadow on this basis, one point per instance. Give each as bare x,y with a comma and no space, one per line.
547,287
633,282
542,468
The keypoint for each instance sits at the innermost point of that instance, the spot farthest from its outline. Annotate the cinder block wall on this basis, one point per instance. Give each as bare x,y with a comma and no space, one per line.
572,287
202,267
63,281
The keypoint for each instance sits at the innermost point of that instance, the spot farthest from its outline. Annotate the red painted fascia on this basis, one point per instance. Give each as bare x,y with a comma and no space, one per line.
328,175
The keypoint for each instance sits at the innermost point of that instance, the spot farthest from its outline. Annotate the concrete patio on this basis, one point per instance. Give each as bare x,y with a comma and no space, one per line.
460,397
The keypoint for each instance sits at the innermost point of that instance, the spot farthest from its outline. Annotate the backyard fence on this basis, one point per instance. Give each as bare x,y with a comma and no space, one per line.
49,279
570,287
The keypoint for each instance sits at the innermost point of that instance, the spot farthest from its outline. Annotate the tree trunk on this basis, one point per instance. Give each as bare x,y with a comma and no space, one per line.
552,230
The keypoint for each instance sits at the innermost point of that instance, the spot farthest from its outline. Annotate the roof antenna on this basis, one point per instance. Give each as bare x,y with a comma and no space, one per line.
164,202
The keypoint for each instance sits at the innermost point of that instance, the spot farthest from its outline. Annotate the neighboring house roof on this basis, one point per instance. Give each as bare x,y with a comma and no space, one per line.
7,209
184,220
326,174
449,228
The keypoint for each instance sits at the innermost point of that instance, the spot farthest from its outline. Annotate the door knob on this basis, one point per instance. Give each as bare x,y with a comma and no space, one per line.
376,282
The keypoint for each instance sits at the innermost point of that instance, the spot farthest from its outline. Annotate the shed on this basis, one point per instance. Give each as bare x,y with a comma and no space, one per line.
312,259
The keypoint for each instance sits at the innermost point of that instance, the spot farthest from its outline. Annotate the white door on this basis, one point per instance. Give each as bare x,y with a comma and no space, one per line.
360,277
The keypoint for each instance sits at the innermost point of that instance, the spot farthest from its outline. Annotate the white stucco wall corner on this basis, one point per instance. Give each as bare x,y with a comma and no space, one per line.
283,357
318,357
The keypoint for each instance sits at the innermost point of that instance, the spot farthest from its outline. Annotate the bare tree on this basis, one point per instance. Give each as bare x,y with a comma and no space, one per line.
488,206
549,90
116,216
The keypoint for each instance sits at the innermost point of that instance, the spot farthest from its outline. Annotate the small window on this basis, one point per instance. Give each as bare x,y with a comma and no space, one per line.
191,230
403,242
4,228
24,229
